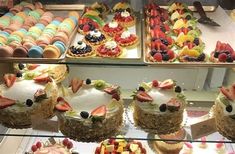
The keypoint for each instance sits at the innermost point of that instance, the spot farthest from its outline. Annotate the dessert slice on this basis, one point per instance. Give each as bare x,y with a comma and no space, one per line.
125,18
109,49
95,37
80,49
113,28
126,39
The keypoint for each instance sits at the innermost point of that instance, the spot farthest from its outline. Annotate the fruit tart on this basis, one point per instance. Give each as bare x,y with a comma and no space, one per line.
21,98
80,49
122,6
95,37
85,25
125,18
102,8
126,39
223,53
109,49
113,28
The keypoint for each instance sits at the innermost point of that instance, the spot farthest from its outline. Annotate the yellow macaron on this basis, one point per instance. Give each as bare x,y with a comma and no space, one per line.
51,51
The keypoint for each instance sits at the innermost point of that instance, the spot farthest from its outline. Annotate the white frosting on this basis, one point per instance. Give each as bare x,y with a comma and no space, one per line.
218,99
125,14
125,34
81,46
113,24
88,98
95,33
22,90
111,44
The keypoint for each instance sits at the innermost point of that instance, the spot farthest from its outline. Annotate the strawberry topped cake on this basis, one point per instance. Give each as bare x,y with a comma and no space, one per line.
224,111
90,110
125,18
113,28
109,49
159,106
126,39
21,98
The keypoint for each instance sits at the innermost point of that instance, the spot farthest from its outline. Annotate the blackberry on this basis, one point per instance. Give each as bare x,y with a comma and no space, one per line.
178,89
21,66
163,108
18,74
141,88
165,42
84,114
196,41
229,108
88,81
201,57
165,57
229,59
29,102
216,54
153,52
81,26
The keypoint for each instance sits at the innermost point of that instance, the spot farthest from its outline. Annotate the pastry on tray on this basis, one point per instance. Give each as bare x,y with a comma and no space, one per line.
109,49
223,53
224,112
122,6
125,18
52,146
20,98
127,39
102,8
120,145
95,37
80,49
113,28
86,24
89,110
159,106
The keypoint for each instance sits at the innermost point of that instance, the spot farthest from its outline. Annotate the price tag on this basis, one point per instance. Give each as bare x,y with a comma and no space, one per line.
203,128
45,124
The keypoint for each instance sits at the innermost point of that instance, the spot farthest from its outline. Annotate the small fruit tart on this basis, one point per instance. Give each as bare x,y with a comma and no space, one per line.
125,18
109,49
122,6
85,25
188,40
102,8
113,28
126,39
81,49
223,53
95,37
187,54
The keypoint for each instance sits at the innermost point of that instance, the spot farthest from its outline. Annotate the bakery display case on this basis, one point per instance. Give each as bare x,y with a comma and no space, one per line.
117,77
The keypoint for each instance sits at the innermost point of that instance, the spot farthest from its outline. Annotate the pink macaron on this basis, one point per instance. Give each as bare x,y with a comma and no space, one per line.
60,36
20,51
6,51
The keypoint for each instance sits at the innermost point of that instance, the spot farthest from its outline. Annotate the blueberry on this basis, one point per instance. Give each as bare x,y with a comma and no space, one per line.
92,27
163,108
165,42
141,88
229,108
153,52
216,54
201,57
18,74
21,66
188,17
196,41
84,114
165,57
229,59
88,81
178,89
29,102
79,42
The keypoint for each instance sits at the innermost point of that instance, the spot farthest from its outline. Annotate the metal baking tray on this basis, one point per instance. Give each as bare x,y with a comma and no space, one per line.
44,60
130,56
210,35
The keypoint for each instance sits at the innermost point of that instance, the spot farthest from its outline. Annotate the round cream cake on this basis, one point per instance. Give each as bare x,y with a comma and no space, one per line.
25,103
159,107
95,112
224,112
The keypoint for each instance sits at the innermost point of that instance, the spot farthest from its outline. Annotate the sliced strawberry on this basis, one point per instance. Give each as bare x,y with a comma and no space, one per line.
143,97
173,105
9,79
218,46
99,111
76,84
43,78
167,84
32,66
5,102
111,90
62,105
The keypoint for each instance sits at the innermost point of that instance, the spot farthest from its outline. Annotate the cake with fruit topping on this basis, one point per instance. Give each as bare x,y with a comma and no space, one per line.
109,49
223,53
224,112
53,147
95,37
127,39
125,18
89,110
159,106
170,147
80,49
120,145
21,98
113,28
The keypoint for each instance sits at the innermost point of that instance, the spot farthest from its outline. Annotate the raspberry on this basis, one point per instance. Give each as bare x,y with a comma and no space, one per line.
70,145
233,55
34,148
222,57
86,28
158,57
171,54
65,142
155,83
39,145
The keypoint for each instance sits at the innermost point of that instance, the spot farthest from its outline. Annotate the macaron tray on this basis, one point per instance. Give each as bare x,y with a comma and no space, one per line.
172,35
109,35
30,33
